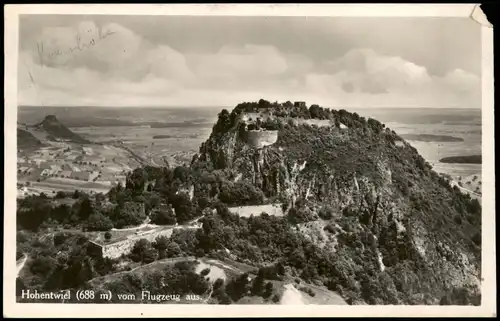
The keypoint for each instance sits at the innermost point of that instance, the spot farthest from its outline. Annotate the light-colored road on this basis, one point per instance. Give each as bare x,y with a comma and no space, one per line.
147,224
20,264
471,193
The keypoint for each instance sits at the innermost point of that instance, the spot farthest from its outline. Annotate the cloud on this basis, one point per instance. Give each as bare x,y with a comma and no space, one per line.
110,65
238,67
364,78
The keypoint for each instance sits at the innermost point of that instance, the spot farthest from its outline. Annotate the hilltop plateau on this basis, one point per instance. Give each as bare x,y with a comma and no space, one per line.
394,230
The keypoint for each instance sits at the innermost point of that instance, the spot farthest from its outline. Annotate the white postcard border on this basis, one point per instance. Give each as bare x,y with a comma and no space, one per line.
13,309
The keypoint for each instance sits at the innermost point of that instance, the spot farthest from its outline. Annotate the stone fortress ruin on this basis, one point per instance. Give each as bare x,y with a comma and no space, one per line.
261,138
260,129
124,241
257,131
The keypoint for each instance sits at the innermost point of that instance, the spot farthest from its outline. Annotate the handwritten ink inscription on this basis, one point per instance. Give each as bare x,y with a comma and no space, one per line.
79,46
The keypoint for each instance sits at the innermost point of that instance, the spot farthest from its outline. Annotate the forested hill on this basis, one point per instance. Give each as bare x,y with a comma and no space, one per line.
395,230
26,140
54,128
364,214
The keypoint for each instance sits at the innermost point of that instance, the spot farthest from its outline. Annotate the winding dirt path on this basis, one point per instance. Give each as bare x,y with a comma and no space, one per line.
465,190
291,296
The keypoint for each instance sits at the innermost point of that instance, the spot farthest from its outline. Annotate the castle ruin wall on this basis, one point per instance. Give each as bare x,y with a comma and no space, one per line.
261,138
115,250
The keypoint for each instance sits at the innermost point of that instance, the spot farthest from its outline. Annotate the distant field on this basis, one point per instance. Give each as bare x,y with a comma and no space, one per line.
116,116
182,130
472,159
432,138
177,144
69,185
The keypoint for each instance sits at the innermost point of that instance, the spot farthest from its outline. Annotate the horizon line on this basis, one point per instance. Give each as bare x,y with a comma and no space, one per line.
227,106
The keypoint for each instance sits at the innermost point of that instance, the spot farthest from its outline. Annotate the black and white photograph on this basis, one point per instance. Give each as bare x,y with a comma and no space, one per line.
264,160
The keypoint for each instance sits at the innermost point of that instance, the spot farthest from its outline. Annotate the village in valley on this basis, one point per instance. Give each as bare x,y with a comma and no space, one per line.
68,167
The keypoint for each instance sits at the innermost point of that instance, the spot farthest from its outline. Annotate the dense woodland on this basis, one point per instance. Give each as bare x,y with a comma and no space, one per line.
61,260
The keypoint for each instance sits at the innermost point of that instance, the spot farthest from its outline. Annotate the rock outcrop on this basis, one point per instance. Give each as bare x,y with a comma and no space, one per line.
25,140
397,222
59,131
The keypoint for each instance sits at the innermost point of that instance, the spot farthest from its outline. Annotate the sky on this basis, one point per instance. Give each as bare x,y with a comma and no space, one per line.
101,60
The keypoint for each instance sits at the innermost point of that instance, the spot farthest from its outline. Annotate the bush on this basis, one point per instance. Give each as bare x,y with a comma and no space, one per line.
163,216
460,296
199,253
205,272
330,228
299,215
143,252
128,214
308,291
99,222
60,194
325,213
107,235
241,193
218,283
269,290
476,238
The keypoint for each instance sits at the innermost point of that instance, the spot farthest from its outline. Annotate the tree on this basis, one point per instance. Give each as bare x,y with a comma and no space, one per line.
173,249
86,209
223,122
143,252
77,194
205,272
137,180
60,194
161,244
238,288
99,222
299,215
218,283
315,111
107,235
163,215
258,283
61,213
183,206
181,173
269,289
264,104
128,214
241,193
224,298
476,238
325,213
199,253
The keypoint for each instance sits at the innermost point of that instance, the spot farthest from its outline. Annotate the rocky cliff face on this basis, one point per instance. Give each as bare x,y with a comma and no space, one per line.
392,217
